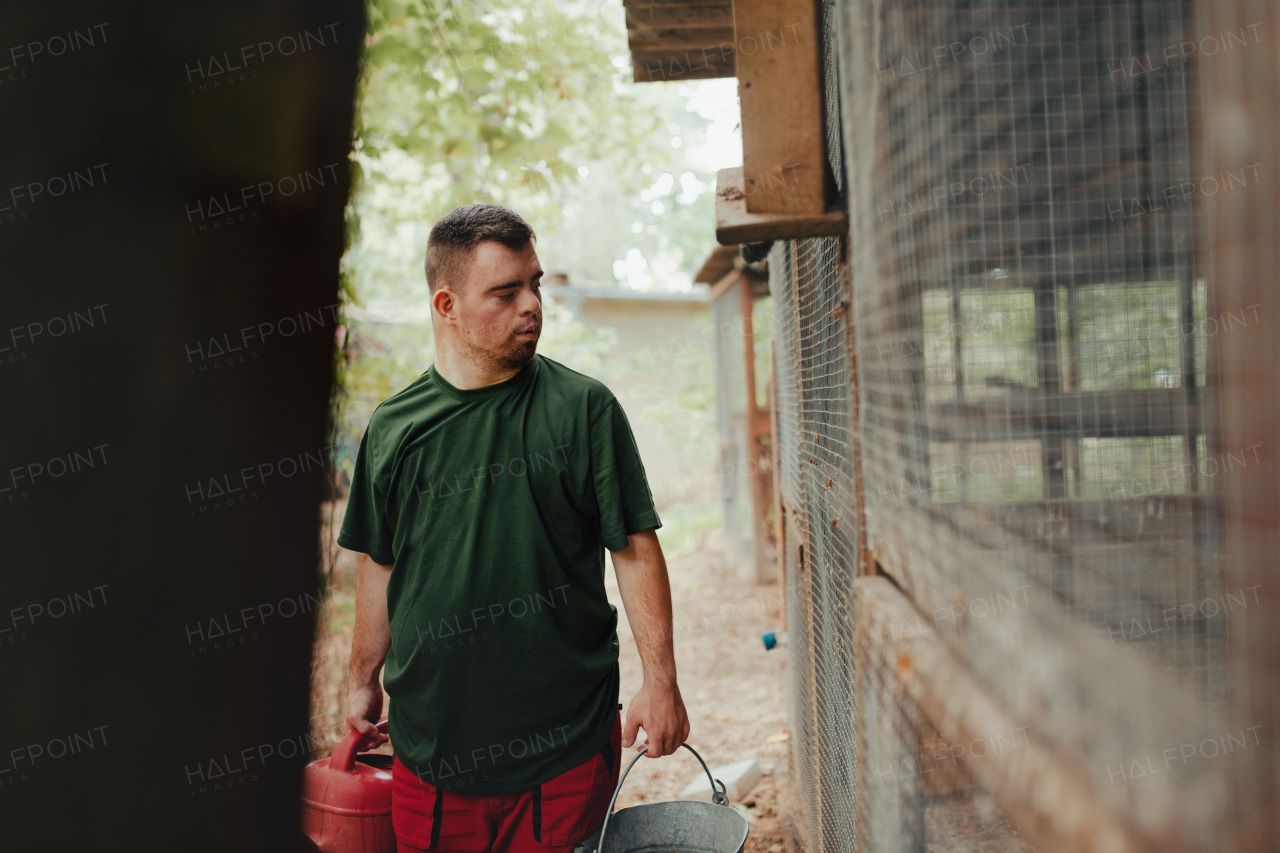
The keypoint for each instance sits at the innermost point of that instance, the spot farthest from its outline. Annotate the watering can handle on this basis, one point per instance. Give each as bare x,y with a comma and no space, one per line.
344,754
718,795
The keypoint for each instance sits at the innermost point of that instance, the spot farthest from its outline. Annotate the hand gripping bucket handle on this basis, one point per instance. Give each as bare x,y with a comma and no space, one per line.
719,795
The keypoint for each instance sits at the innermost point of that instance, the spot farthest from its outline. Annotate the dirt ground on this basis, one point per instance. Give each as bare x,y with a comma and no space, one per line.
734,690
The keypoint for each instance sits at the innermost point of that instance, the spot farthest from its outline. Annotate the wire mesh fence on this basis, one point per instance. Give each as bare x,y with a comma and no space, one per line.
1032,413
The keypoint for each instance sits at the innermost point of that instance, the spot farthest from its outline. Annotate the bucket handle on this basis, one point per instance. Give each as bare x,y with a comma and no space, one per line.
344,754
718,795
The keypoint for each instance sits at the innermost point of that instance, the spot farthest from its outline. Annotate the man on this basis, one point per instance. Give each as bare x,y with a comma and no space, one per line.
483,498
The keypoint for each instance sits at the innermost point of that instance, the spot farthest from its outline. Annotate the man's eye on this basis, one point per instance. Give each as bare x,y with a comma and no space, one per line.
507,297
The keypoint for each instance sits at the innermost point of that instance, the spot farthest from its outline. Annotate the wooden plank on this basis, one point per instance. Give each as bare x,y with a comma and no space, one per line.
718,289
661,66
1083,719
717,15
675,39
661,6
757,426
780,89
734,224
866,558
717,265
1241,125
1050,801
1026,413
1052,525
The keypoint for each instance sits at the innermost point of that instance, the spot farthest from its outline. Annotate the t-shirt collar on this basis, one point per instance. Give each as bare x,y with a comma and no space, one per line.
516,381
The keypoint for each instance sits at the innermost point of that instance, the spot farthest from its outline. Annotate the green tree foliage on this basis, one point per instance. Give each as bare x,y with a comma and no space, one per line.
526,104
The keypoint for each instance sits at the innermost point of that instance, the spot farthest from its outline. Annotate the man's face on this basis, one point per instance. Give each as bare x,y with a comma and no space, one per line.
499,309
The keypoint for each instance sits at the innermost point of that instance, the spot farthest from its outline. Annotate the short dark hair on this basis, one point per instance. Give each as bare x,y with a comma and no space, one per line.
462,229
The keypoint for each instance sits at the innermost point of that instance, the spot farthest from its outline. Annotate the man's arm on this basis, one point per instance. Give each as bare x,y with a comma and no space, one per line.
646,595
368,648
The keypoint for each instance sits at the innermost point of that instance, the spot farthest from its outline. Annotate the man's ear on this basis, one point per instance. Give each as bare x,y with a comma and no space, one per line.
445,303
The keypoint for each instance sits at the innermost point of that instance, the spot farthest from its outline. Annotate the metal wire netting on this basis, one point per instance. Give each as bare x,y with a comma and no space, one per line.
826,415
1033,338
802,727
786,355
1030,397
831,92
810,298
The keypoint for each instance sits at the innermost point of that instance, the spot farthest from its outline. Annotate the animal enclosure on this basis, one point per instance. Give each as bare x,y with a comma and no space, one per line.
1012,543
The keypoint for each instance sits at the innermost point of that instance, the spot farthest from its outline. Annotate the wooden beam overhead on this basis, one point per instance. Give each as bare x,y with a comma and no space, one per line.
663,66
672,40
718,264
717,16
717,40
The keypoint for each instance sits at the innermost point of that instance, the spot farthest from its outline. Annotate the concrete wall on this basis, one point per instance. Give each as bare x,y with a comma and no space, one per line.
662,342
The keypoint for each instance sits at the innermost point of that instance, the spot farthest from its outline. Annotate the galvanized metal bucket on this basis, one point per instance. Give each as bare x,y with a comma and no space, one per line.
677,826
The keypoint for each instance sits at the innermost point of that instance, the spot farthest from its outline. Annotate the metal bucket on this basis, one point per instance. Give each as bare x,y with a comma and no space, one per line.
677,826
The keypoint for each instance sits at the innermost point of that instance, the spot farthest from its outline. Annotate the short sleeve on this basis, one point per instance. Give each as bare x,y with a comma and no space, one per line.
365,526
622,490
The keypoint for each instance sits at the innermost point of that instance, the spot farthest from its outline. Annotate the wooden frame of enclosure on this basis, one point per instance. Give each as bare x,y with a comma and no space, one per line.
730,278
1242,125
1054,804
784,188
680,39
1048,797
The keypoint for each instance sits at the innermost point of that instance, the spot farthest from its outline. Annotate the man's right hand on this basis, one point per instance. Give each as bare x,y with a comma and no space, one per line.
364,708
368,649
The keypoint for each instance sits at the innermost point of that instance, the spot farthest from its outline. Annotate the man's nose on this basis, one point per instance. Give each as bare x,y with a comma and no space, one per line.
529,302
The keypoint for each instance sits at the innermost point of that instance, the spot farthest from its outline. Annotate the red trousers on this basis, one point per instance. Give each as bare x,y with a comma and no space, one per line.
555,815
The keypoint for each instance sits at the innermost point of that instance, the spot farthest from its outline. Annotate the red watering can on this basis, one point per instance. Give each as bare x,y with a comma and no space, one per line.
346,799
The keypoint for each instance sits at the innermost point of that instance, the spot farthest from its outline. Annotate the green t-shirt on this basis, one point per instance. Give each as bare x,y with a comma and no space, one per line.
496,504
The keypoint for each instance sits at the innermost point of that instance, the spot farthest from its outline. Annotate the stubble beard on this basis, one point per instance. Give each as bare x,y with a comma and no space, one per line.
514,356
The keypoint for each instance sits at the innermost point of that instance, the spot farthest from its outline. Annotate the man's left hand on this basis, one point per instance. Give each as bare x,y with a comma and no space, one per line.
659,710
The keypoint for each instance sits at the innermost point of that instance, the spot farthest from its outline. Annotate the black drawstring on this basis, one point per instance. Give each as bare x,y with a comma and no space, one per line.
607,749
537,813
437,812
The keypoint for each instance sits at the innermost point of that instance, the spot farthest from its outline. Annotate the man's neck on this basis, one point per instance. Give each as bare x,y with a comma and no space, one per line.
464,373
